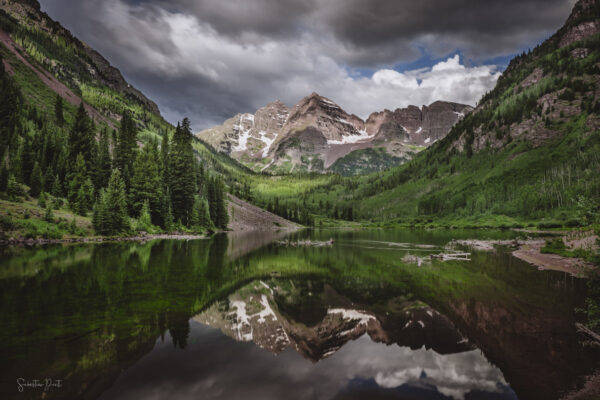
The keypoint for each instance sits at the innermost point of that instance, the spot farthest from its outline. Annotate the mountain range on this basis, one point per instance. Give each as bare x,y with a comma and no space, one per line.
317,135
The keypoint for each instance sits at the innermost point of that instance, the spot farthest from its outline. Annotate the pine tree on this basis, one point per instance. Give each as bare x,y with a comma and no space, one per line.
27,157
57,190
144,222
13,188
201,216
100,217
48,180
78,178
42,200
103,162
212,199
115,196
222,216
146,183
182,183
126,147
110,212
3,176
81,141
58,111
85,198
49,215
35,182
164,154
169,218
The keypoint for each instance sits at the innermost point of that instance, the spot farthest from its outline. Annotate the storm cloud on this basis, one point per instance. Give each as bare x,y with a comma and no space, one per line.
211,59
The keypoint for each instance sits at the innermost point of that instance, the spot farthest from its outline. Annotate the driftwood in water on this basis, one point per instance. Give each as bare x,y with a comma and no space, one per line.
306,243
584,329
451,256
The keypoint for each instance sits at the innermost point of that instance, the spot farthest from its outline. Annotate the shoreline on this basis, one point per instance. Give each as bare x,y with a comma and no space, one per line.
529,250
100,239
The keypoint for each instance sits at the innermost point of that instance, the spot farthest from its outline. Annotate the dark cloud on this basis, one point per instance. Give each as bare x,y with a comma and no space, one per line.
279,18
486,28
210,59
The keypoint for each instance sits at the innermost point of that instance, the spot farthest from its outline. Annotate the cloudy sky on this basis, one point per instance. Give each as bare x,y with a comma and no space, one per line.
211,59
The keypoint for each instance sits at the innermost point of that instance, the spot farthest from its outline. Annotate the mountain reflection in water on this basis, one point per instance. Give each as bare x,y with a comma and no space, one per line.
238,317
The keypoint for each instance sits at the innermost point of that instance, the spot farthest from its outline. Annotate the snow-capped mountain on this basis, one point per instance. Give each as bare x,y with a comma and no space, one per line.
317,135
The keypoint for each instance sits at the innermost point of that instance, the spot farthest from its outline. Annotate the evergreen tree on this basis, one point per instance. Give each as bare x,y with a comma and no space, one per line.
169,218
222,219
212,200
103,162
78,178
144,223
35,182
3,176
126,147
13,188
110,212
48,180
81,141
58,111
57,187
85,198
164,154
201,216
146,183
42,200
27,157
182,183
100,217
49,215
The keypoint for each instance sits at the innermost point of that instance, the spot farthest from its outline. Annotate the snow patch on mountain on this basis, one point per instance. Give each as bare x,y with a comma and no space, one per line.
352,138
244,134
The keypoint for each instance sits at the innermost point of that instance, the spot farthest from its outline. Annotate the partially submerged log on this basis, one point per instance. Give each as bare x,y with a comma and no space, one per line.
587,331
451,256
306,243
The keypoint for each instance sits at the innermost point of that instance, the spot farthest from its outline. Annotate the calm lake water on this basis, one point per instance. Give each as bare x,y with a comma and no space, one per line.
244,317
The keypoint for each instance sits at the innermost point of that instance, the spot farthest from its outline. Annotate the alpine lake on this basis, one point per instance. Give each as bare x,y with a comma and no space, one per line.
369,316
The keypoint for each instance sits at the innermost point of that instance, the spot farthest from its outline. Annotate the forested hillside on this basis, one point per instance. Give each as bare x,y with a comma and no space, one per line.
78,142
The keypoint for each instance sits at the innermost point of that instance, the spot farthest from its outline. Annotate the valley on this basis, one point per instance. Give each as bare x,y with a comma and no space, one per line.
439,250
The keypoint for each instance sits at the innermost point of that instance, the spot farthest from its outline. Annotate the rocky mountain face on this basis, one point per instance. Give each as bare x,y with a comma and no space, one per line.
317,135
540,90
263,314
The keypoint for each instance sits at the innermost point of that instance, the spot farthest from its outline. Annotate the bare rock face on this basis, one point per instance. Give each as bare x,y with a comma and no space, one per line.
316,132
580,32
